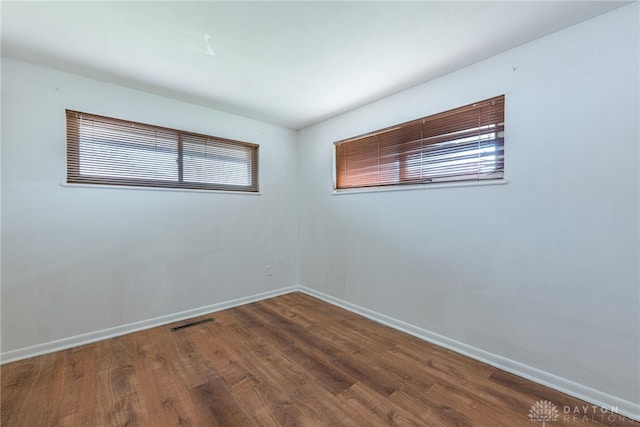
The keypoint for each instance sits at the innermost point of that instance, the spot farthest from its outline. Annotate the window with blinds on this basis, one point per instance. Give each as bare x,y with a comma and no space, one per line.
107,151
463,144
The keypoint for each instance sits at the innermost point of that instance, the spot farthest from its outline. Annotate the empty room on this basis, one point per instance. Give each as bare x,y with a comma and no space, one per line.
320,213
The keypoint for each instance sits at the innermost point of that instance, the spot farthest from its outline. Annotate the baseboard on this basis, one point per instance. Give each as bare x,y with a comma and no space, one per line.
65,343
595,397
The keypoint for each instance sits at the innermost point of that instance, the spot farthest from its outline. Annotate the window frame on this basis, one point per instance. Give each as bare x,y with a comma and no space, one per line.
394,163
73,158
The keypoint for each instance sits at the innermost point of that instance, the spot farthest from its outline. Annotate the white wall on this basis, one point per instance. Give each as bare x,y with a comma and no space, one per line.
79,260
543,270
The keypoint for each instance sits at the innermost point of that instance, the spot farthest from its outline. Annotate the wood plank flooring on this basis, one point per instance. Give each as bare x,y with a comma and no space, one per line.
292,360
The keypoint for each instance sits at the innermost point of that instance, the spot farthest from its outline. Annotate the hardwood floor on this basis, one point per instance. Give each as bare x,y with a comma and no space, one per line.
292,360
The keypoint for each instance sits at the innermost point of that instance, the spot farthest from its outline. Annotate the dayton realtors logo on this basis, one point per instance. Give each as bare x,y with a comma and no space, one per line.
543,411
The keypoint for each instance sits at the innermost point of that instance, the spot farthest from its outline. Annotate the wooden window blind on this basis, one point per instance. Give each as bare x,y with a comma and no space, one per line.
463,144
107,151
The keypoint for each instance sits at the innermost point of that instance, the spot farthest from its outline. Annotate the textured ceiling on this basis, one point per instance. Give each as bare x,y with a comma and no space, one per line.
288,63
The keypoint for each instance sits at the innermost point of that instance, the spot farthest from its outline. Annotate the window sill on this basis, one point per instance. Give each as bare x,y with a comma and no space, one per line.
419,187
130,187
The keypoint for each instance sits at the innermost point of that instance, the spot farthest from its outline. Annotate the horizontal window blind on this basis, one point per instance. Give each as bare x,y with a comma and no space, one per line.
463,144
108,151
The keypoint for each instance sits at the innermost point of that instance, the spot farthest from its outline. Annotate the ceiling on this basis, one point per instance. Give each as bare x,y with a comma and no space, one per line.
288,63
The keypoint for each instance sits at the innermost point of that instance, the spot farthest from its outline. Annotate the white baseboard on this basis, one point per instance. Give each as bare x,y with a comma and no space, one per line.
65,343
595,397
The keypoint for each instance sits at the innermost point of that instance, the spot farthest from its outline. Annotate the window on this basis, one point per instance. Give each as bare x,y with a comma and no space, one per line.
463,144
102,150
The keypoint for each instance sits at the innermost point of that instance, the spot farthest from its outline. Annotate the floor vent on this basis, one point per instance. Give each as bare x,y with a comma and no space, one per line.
188,325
